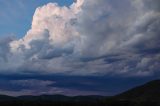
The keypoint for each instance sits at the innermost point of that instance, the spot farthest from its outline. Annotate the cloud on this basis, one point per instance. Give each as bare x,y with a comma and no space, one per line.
100,37
17,85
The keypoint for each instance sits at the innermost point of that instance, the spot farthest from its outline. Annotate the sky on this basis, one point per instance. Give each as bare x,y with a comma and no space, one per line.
16,15
78,47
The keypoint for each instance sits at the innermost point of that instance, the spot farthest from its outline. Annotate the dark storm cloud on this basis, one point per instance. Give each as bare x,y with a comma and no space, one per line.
53,84
153,5
5,48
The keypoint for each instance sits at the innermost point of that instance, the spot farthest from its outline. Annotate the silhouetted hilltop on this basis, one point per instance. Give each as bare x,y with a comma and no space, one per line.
148,91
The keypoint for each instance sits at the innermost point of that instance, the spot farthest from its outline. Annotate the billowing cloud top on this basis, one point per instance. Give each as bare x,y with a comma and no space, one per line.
91,37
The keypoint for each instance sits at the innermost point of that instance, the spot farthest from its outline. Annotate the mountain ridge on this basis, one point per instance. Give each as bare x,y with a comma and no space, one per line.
147,91
147,94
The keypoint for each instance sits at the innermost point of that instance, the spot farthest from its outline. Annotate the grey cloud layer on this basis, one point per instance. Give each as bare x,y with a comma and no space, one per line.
17,85
89,38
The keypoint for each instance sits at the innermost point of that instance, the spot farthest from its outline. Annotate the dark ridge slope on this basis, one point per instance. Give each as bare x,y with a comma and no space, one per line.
148,91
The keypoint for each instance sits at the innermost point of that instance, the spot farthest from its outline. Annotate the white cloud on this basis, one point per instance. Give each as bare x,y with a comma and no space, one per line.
60,38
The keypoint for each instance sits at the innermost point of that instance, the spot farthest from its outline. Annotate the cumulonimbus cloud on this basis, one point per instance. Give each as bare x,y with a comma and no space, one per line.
89,38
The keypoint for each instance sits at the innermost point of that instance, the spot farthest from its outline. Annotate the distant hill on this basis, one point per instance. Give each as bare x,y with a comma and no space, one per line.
44,98
52,100
6,98
144,95
148,91
62,98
